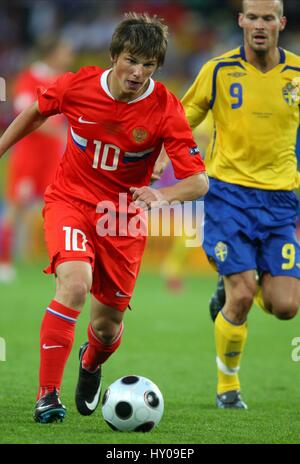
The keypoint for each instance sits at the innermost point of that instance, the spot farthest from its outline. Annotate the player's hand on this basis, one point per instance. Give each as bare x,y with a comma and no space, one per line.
147,197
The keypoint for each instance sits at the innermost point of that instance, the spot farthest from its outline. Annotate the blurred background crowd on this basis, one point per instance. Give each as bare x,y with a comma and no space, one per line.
199,30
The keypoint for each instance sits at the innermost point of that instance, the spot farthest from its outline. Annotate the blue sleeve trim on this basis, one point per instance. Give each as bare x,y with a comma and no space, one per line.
243,53
236,56
293,68
282,55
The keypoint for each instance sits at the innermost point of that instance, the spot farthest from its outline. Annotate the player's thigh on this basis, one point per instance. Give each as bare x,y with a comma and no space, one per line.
68,234
74,276
118,261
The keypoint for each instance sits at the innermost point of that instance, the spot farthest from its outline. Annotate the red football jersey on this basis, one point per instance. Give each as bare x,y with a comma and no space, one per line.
24,94
113,145
33,160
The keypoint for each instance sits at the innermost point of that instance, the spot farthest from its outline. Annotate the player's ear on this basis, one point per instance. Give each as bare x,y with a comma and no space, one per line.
113,59
283,22
241,20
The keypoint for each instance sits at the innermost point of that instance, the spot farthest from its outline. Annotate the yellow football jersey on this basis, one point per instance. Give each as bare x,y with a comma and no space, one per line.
256,118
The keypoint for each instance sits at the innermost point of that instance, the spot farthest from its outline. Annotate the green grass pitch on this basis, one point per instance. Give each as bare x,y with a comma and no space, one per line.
168,338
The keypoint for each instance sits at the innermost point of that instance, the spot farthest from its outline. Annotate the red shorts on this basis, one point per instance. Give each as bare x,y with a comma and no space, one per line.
31,168
70,233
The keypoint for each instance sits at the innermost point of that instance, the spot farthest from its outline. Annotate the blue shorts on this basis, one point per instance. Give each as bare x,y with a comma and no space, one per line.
247,228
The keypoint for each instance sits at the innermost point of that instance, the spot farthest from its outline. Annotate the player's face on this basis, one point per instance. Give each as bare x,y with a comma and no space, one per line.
261,21
130,75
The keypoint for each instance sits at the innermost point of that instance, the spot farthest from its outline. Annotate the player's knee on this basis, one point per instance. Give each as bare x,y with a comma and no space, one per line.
106,330
285,310
236,310
241,291
244,299
75,291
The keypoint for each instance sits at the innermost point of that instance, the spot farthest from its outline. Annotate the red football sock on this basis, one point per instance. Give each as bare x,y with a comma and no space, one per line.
6,245
56,341
97,352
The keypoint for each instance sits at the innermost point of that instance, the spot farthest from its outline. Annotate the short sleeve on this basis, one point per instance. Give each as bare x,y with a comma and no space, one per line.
50,99
179,141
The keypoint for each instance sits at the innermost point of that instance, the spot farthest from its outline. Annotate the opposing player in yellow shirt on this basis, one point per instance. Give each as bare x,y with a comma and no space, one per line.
250,209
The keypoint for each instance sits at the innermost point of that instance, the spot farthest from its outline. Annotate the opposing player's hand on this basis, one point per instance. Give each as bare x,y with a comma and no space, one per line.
147,197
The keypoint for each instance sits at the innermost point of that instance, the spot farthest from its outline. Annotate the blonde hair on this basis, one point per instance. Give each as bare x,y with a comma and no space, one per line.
279,1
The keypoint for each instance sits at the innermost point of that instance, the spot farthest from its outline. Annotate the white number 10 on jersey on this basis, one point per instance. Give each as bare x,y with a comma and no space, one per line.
103,152
73,237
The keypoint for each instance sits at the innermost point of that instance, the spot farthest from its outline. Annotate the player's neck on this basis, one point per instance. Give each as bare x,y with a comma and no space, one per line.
263,62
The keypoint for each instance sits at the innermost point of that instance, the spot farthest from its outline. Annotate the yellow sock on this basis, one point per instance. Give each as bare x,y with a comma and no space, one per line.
230,341
173,265
258,300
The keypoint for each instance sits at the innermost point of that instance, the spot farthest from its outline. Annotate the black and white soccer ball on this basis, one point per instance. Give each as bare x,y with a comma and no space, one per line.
132,403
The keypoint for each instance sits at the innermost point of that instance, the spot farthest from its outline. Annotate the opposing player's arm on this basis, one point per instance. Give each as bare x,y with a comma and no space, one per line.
196,101
187,189
25,123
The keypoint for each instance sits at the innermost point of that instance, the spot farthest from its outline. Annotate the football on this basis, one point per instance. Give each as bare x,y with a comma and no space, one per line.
132,403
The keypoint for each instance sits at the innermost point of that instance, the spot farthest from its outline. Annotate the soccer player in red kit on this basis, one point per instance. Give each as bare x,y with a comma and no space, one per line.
33,161
118,121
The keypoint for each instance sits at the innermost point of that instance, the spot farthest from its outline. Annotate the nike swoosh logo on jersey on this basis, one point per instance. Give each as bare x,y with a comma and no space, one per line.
84,121
48,347
93,404
122,295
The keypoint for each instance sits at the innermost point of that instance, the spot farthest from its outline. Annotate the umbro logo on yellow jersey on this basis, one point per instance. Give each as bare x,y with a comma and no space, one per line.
237,74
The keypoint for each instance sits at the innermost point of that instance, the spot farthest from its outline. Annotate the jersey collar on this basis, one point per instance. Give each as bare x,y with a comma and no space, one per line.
104,85
281,52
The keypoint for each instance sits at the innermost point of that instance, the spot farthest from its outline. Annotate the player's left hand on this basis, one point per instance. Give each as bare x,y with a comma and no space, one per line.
147,197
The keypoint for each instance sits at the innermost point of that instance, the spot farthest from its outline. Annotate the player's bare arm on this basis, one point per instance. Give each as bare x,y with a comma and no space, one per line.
187,189
51,128
25,123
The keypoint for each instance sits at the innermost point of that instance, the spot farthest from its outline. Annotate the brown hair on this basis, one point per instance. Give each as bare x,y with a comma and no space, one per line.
141,34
